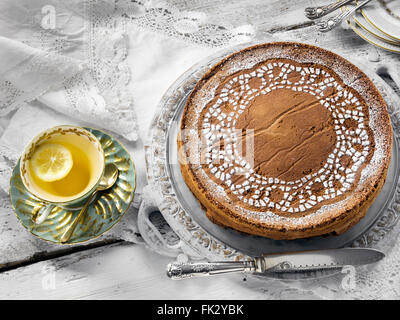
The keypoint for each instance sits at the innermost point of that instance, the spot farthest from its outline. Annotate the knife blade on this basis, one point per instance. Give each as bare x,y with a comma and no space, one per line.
274,264
317,260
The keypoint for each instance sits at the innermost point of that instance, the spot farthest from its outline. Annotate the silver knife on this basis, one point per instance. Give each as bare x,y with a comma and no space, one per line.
304,261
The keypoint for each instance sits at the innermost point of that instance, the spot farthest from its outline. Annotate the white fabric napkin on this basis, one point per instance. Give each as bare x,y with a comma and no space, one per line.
157,62
26,73
44,44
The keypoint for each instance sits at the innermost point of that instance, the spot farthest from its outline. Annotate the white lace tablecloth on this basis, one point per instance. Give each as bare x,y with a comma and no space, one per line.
106,64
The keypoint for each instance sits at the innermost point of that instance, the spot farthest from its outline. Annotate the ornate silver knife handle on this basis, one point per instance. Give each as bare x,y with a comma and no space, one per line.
279,263
179,271
318,12
327,25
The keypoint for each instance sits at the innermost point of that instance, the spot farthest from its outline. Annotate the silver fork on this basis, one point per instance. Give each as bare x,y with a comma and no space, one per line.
333,22
318,12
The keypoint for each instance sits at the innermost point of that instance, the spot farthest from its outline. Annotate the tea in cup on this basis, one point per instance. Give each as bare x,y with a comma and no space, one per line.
62,166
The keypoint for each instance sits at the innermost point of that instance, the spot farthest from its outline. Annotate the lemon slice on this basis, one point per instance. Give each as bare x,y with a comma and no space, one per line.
51,162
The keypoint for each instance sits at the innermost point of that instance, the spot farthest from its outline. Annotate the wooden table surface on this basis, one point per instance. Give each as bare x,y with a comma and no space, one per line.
109,268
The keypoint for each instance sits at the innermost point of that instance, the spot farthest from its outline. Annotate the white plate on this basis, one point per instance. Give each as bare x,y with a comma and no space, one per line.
363,23
371,38
385,16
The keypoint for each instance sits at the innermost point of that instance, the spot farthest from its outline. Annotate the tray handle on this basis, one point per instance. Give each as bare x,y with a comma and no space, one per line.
392,70
152,236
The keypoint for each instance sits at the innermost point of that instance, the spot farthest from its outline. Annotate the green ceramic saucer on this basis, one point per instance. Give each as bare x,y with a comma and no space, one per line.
102,214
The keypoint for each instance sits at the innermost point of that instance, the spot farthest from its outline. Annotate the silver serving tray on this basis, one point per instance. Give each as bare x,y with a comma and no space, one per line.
184,214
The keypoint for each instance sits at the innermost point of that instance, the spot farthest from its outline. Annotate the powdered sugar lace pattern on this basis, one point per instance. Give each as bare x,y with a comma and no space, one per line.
351,81
350,125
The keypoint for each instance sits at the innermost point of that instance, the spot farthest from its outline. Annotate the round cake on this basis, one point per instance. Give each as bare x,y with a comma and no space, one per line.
285,140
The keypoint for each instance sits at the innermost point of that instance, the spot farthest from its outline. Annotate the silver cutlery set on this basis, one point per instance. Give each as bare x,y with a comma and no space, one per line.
330,23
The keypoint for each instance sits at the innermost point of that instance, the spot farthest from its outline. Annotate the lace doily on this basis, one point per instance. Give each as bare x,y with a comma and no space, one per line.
189,26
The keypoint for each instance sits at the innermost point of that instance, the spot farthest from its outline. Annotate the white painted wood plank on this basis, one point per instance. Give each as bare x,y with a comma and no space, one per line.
128,272
18,245
15,242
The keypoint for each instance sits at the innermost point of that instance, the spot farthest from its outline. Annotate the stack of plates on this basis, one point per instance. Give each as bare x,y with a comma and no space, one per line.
379,23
